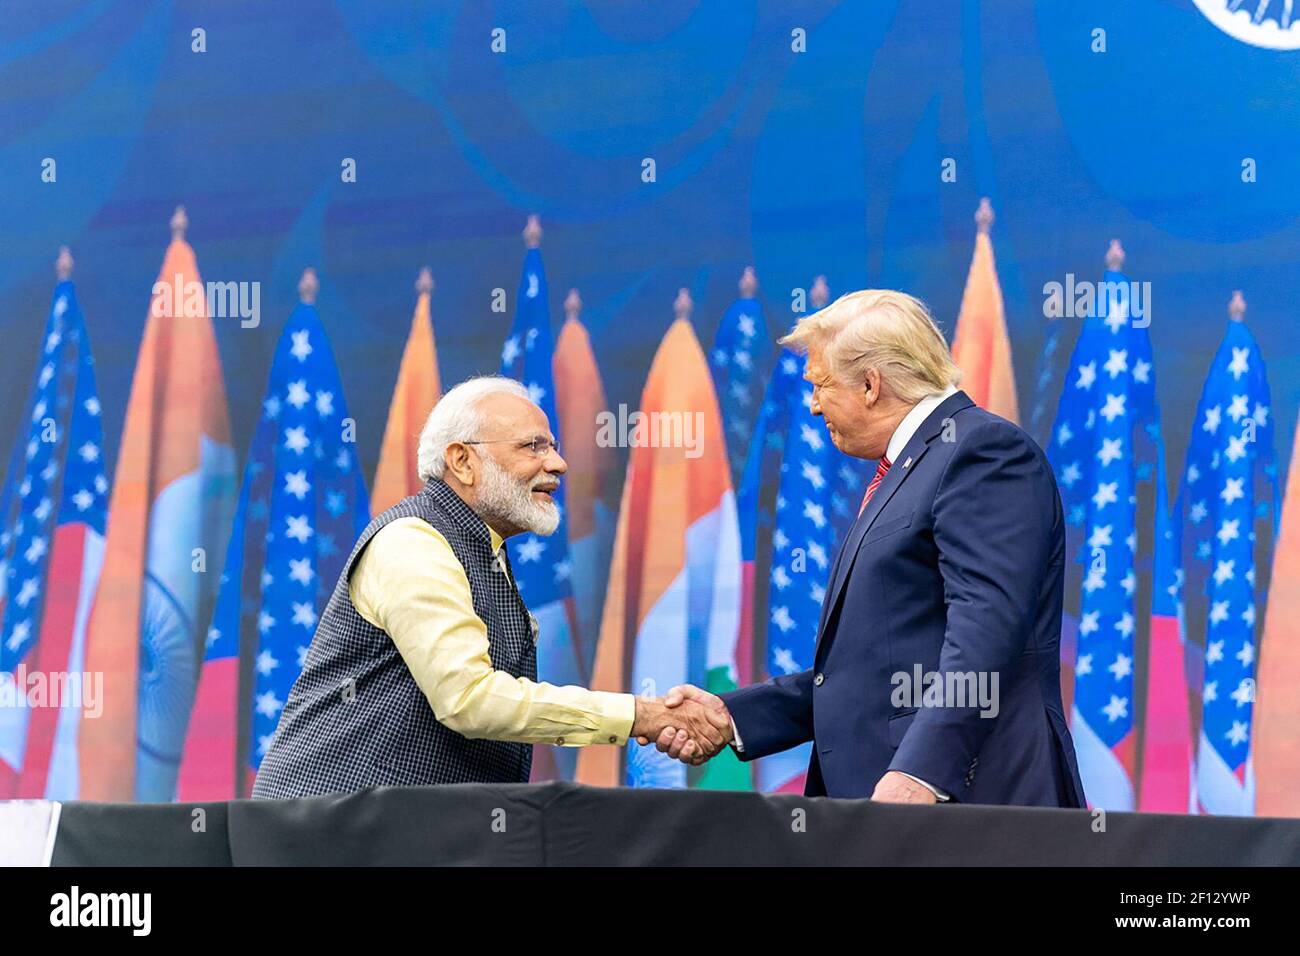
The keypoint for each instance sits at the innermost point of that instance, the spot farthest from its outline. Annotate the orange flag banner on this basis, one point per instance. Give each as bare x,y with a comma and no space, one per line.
579,403
980,345
1277,705
417,391
672,612
168,523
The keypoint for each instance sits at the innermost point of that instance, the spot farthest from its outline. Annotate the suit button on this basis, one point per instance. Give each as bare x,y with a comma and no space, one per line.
560,741
819,679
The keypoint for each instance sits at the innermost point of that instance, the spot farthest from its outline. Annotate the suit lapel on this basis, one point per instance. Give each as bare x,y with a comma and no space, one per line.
892,481
898,472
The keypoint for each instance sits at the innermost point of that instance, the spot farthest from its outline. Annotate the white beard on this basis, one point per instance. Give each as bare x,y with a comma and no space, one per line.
511,502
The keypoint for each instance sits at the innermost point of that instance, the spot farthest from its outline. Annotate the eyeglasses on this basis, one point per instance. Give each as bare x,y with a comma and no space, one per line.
539,446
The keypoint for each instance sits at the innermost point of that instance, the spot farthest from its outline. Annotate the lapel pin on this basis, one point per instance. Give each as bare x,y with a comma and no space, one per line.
908,462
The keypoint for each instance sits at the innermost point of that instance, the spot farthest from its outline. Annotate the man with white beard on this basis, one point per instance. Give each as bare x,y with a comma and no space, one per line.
423,667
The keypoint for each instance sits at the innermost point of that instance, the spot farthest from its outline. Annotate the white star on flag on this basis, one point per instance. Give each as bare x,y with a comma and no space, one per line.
1105,494
813,475
1223,571
1111,450
1114,407
1212,418
814,513
1245,692
818,554
531,549
1240,363
785,660
295,439
1123,664
1117,363
810,436
299,528
510,351
1218,614
300,570
301,345
1117,708
304,614
296,484
1232,490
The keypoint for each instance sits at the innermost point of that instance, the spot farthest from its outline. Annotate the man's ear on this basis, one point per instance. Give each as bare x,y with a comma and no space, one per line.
871,387
456,457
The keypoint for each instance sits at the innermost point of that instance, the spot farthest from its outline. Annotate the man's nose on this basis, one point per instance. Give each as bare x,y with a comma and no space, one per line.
554,464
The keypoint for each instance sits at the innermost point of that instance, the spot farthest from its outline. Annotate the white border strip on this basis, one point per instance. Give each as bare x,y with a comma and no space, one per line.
56,810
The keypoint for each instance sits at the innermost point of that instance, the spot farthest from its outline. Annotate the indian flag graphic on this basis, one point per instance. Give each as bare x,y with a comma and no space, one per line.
672,613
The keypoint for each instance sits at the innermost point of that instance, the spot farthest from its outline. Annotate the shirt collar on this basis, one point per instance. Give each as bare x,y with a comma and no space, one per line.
497,540
912,421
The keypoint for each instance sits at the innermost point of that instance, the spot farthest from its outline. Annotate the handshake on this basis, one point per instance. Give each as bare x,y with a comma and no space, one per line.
688,724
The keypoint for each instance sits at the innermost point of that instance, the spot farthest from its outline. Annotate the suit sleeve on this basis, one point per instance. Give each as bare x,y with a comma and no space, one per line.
994,521
773,716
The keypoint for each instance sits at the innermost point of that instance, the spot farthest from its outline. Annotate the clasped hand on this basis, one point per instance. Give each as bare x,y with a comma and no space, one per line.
688,724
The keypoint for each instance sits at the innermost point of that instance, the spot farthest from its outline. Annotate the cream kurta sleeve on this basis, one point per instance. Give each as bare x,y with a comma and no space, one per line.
409,583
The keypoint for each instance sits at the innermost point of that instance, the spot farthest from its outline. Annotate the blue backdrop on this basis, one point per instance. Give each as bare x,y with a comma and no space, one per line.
826,161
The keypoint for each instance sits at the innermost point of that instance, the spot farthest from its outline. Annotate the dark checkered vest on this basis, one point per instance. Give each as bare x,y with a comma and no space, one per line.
356,717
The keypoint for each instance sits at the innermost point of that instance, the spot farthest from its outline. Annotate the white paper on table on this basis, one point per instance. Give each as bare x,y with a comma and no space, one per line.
27,831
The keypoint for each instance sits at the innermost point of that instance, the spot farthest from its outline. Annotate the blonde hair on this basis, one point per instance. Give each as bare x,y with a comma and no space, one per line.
889,331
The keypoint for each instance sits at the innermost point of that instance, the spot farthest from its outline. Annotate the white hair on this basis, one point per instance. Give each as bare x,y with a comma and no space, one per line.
456,418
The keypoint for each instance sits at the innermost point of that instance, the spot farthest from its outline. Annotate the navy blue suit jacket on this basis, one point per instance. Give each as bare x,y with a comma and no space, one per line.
956,569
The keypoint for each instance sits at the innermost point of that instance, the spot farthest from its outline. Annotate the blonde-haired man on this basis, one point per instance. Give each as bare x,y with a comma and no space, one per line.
936,675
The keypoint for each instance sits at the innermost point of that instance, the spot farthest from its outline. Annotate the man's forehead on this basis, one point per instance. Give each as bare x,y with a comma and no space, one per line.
506,411
813,367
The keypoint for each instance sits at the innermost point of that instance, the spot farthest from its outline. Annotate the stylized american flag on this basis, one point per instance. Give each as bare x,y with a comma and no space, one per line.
799,497
542,565
302,504
1046,383
1104,446
54,508
1229,503
739,363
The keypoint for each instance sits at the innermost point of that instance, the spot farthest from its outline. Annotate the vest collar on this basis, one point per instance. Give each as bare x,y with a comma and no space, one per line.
455,506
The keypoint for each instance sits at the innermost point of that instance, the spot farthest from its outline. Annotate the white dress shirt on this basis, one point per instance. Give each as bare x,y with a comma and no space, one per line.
912,421
903,433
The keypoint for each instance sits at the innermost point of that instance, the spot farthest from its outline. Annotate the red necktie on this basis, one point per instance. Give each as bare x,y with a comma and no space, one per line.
876,479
